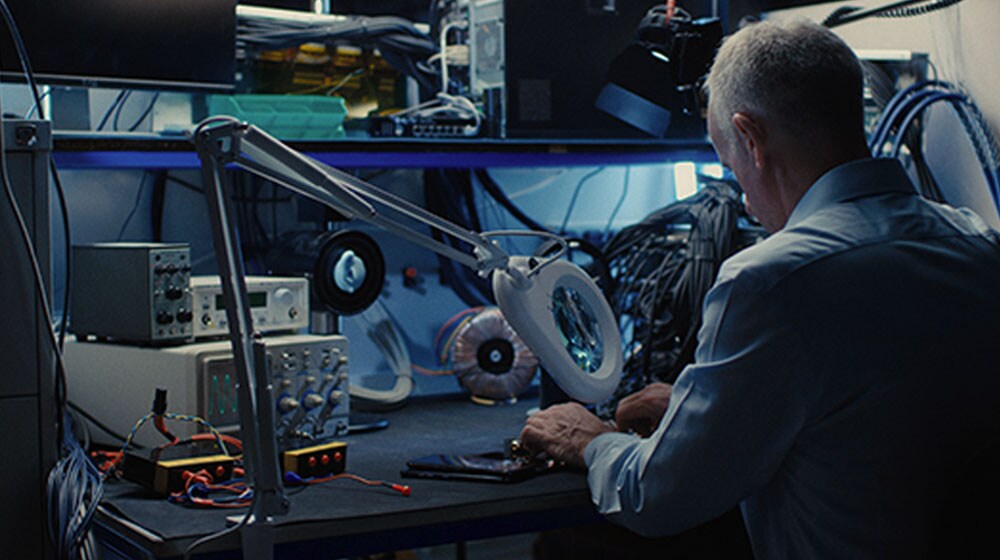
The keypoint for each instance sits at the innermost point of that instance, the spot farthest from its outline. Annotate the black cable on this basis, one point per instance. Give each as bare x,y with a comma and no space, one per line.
100,425
121,107
111,110
496,193
881,88
401,44
135,206
661,270
576,193
440,197
145,113
60,389
73,495
618,205
68,258
917,10
901,9
157,205
25,61
185,184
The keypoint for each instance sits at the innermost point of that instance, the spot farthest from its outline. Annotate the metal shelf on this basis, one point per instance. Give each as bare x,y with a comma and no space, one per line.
131,151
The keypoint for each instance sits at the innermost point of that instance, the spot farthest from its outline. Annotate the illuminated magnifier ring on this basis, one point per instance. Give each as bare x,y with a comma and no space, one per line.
563,316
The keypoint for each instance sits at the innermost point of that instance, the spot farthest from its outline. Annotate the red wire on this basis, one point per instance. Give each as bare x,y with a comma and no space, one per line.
671,5
401,488
161,426
450,321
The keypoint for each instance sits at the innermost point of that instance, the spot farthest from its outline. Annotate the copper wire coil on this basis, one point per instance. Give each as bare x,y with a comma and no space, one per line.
489,359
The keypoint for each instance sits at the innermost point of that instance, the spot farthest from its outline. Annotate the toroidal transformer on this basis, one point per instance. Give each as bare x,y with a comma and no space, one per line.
489,359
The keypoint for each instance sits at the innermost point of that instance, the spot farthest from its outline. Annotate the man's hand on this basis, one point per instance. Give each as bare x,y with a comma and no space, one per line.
563,432
641,412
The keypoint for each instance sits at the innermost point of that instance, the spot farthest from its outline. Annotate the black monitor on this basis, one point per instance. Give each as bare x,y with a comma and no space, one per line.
301,5
153,44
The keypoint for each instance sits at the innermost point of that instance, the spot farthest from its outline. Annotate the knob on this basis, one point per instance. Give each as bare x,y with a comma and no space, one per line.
287,404
284,296
173,292
335,397
312,400
164,317
184,316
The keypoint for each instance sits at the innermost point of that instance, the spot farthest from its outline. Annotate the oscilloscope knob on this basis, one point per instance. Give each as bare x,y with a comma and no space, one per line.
284,296
287,404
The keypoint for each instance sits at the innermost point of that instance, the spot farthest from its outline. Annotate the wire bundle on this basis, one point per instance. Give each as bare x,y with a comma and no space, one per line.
75,488
901,9
402,45
381,329
201,490
662,268
906,107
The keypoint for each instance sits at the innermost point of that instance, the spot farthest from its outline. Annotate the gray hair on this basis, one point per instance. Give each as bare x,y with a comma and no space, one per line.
795,73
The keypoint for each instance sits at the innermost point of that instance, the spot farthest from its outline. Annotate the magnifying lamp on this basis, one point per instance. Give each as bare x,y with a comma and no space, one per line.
556,308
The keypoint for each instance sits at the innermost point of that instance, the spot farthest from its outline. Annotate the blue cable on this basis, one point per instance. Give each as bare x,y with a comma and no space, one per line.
897,105
978,136
919,107
915,100
75,488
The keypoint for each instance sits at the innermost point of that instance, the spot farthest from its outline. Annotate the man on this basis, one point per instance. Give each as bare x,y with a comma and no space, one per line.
845,371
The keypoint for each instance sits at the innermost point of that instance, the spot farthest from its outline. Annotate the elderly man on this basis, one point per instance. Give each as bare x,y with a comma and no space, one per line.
845,370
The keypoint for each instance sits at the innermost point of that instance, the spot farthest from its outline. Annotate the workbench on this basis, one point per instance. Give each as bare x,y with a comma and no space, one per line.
343,518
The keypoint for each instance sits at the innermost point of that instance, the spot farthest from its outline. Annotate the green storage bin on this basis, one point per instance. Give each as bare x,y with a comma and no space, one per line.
287,117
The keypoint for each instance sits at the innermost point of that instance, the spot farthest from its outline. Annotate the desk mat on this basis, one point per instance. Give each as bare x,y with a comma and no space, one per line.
450,424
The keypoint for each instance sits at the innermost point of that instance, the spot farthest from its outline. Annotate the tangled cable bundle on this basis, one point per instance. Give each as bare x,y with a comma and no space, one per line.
402,45
662,268
484,353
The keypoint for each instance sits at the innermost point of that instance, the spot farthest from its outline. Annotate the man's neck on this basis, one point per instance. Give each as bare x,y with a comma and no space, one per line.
806,164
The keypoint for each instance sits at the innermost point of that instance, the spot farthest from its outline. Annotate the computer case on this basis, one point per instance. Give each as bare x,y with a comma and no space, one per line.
27,404
540,66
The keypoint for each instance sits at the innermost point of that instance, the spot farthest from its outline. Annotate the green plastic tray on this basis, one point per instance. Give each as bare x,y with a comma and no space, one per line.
288,117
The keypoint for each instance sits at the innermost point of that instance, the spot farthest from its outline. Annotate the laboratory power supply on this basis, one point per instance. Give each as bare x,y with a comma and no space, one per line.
308,373
277,303
132,292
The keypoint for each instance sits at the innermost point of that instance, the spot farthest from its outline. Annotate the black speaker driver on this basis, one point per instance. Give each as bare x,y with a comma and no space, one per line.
346,268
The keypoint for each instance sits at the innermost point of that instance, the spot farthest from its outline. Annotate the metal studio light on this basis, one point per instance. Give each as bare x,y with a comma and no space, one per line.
654,83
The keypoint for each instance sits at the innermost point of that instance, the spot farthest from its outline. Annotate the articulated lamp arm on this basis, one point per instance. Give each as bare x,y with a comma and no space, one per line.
229,141
553,305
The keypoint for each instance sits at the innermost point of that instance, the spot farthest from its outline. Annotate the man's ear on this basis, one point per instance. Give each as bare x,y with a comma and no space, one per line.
751,136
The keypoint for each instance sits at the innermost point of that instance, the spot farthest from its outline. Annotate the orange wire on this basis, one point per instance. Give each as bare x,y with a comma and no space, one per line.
671,5
451,320
426,371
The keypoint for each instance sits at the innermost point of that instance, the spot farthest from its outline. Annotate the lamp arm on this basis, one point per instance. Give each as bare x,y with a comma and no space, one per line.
554,305
230,141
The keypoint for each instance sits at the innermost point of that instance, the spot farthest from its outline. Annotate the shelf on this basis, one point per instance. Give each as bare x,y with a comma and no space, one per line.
131,151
